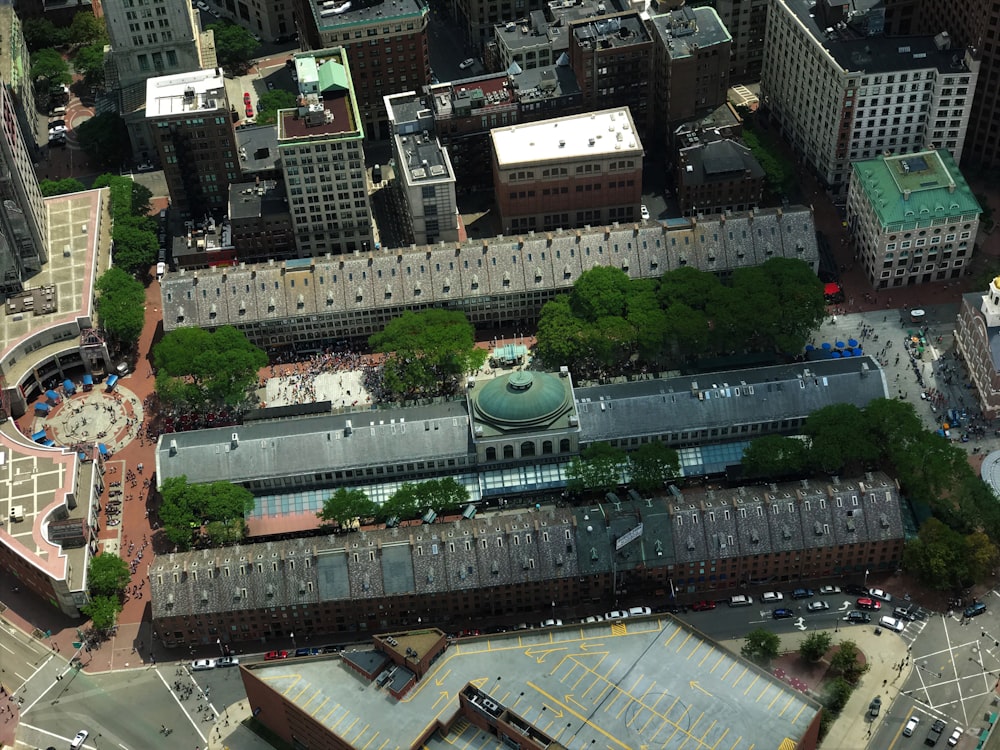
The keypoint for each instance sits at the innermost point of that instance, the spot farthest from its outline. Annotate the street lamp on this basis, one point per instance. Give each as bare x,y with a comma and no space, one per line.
293,639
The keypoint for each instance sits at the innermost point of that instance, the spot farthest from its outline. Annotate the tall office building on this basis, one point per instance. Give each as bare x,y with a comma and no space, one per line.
189,119
22,213
842,91
150,38
386,41
320,144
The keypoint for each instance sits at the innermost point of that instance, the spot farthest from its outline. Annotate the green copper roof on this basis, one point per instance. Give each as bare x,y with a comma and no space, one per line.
522,399
333,76
915,187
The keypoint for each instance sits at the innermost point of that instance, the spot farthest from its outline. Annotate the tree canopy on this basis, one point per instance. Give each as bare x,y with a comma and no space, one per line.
104,138
344,506
107,575
271,102
215,369
220,507
848,661
40,33
87,29
943,558
89,62
49,65
413,499
60,187
815,645
609,318
652,464
121,307
760,646
135,246
234,45
598,468
427,351
103,611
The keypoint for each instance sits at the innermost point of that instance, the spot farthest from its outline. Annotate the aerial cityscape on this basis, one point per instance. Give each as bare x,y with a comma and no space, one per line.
396,374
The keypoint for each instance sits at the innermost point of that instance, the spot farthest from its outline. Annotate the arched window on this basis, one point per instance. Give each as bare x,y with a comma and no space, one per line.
527,448
564,445
491,454
508,451
546,447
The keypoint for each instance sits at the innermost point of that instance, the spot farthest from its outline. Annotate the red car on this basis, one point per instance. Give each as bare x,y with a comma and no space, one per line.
272,655
866,603
249,110
703,606
246,97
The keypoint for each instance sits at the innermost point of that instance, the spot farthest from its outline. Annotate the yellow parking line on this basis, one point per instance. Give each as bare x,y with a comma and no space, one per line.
767,689
617,696
652,716
582,675
320,706
705,657
689,637
722,656
790,701
742,675
775,699
705,733
731,668
374,736
672,636
312,698
719,741
750,686
738,739
696,649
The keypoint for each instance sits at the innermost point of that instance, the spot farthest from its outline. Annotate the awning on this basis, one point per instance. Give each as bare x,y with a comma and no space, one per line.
112,381
52,396
68,386
102,448
39,436
41,408
88,379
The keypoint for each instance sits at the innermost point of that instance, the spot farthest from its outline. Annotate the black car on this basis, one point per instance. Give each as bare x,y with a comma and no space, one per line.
855,588
858,616
306,651
803,594
782,613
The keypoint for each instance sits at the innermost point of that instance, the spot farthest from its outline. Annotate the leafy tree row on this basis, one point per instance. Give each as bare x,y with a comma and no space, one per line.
600,467
134,231
234,46
199,369
957,548
411,500
610,318
427,352
219,507
121,307
84,29
107,579
104,138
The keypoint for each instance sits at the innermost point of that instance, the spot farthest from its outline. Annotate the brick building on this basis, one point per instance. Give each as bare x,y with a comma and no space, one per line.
977,334
260,222
571,171
718,176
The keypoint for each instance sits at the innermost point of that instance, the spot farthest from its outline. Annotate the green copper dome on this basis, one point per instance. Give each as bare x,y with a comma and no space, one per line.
522,399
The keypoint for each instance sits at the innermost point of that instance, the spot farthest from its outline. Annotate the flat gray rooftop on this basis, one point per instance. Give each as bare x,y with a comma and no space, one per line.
641,682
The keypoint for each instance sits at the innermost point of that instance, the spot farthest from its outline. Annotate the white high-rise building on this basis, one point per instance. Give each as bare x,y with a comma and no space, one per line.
841,91
320,143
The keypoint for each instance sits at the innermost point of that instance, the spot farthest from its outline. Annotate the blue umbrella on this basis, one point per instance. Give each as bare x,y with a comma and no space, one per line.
810,347
827,346
840,344
836,355
852,343
858,351
847,353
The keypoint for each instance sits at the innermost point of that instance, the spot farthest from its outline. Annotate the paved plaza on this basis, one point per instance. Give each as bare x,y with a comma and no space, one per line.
96,416
343,388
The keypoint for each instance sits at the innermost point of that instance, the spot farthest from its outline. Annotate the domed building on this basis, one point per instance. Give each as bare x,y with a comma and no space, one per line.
523,415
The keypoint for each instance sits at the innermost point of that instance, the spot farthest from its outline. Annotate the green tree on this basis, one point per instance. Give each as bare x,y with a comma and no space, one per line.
104,138
86,29
344,505
234,45
651,465
689,286
444,494
849,662
894,425
179,510
837,439
427,351
60,187
600,292
224,501
937,556
107,575
102,611
815,645
403,504
760,646
598,467
120,303
838,692
221,533
647,320
89,62
980,556
271,102
221,366
40,33
775,456
134,249
562,336
797,295
49,65
141,197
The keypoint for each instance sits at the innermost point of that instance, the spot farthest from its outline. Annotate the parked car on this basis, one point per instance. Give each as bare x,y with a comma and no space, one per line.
910,726
307,652
771,596
249,110
855,588
466,63
703,606
875,706
594,618
782,613
885,596
272,655
827,590
644,212
79,739
975,610
616,614
803,594
199,665
56,123
892,623
551,623
638,611
227,661
818,606
740,600
868,603
955,736
858,616
57,130
202,6
934,733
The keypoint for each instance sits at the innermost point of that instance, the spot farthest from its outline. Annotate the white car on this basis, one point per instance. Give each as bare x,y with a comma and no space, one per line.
644,212
636,611
818,605
955,736
78,741
551,623
771,596
57,130
616,614
880,594
593,619
227,661
202,6
199,665
911,725
827,590
892,623
467,63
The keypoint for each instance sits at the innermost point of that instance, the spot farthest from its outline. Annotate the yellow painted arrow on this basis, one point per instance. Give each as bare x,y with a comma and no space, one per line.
557,712
540,654
695,686
480,681
440,680
585,646
445,696
569,699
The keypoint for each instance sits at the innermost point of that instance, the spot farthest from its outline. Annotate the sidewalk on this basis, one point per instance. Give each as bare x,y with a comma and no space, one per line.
884,654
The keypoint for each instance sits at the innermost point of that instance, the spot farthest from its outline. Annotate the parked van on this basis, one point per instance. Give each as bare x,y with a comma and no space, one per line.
57,112
975,610
740,600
